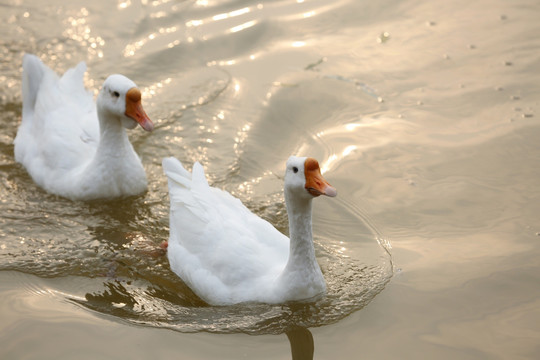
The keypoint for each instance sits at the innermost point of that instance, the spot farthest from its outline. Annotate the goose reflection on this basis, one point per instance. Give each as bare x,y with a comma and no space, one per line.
302,344
118,300
123,300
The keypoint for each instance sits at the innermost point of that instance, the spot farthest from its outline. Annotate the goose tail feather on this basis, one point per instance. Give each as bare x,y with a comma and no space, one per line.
33,73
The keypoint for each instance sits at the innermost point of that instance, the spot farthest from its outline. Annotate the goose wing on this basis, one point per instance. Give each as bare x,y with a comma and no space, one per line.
59,129
223,251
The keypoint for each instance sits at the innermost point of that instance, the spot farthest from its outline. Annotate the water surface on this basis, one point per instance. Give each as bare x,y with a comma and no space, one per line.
423,116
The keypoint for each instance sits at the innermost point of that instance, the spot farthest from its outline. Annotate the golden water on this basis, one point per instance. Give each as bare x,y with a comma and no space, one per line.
423,115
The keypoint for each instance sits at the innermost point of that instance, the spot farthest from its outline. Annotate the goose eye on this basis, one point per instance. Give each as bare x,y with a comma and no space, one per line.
295,169
116,94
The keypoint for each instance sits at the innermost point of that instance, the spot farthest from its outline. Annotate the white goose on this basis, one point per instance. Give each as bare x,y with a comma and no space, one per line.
69,146
228,255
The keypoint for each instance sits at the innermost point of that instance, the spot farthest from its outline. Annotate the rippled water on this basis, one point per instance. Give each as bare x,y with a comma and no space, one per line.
423,116
116,243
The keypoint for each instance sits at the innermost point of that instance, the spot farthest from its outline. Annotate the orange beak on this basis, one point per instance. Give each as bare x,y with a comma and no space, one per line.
315,183
135,110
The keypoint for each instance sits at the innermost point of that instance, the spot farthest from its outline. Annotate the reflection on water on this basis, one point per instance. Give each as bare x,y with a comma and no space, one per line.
426,123
24,296
302,346
139,287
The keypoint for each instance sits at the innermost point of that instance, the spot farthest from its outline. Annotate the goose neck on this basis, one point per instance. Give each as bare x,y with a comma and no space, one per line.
300,231
114,140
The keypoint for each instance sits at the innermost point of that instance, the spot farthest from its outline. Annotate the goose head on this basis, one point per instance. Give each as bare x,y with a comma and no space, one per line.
120,98
303,179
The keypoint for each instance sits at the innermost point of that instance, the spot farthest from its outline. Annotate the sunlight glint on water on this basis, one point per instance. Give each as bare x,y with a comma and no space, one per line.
202,113
425,119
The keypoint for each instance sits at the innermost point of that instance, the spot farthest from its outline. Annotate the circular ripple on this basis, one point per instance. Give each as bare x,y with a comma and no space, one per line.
150,294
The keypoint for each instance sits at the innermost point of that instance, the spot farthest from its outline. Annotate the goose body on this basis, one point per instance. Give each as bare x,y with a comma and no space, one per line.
74,147
228,255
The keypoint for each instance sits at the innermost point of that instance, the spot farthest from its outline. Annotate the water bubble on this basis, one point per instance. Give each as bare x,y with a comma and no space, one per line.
384,37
